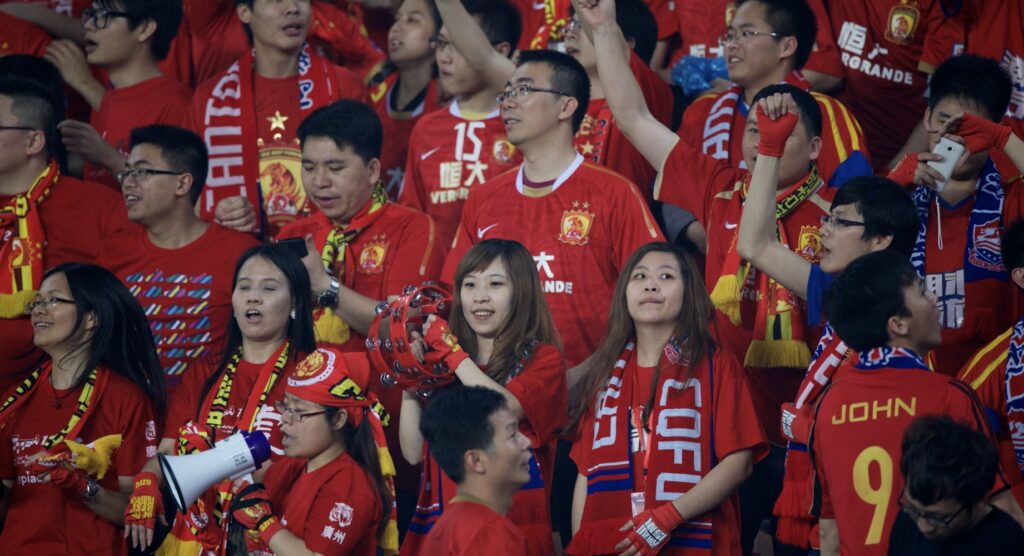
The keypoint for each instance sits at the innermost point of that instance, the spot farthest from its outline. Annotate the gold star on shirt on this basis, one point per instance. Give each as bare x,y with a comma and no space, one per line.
277,121
587,148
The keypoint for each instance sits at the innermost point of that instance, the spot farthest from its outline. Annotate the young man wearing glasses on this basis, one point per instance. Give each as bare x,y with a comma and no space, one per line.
128,39
178,266
457,148
949,469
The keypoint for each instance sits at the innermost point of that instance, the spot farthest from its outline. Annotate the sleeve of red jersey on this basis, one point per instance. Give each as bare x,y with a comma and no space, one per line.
354,509
635,225
843,144
665,17
541,390
689,179
825,56
418,258
736,424
965,407
413,191
985,373
943,37
350,86
137,427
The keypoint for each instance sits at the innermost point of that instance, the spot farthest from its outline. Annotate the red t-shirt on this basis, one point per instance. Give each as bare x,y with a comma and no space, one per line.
398,125
161,100
858,429
335,509
46,519
884,45
841,136
216,35
600,141
76,217
541,391
450,154
580,233
185,292
735,429
470,528
18,36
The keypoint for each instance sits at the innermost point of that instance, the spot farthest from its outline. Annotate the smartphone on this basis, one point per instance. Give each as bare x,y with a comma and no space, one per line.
297,245
950,151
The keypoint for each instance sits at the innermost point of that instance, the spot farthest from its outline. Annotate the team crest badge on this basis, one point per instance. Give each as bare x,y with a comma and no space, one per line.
341,514
809,246
371,258
310,366
576,224
987,246
280,181
902,23
503,151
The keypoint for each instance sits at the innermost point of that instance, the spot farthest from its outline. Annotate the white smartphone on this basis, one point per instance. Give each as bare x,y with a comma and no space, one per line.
950,151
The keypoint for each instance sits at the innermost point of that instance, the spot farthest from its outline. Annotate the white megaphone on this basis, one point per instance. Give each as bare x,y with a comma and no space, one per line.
235,456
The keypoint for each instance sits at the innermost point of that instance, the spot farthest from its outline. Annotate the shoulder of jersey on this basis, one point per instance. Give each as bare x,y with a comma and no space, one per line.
603,176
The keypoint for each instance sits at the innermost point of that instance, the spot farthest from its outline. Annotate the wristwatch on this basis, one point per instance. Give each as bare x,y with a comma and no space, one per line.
329,297
92,488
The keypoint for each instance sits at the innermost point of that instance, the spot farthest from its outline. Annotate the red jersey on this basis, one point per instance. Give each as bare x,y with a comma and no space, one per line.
43,518
600,141
398,123
720,135
544,22
76,217
278,115
884,46
855,441
161,100
185,292
580,232
335,509
469,528
451,153
541,391
734,429
18,36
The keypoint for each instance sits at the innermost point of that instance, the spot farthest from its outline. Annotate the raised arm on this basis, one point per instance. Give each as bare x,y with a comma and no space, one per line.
758,241
469,39
60,26
623,93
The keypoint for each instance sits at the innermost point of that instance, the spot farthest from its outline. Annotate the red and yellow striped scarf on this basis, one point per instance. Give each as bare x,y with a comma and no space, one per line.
21,244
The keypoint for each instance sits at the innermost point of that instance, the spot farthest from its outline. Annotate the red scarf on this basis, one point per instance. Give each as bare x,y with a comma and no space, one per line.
718,126
22,238
230,127
610,478
778,339
92,392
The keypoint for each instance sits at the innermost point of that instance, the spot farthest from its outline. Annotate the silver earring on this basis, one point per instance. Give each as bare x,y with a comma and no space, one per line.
293,314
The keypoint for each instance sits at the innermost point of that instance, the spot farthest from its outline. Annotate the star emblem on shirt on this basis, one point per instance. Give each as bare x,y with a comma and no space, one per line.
277,121
587,148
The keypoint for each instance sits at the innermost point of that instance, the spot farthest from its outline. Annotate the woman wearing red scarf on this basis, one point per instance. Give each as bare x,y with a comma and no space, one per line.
333,493
270,331
101,378
668,430
509,344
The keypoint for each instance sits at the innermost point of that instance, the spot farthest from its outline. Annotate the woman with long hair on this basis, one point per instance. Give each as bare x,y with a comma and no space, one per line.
667,429
271,330
501,337
331,494
101,377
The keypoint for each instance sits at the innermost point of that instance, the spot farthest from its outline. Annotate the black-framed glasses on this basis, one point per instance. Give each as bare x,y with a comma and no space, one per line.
21,127
933,520
293,415
834,221
521,91
139,175
740,37
100,17
49,304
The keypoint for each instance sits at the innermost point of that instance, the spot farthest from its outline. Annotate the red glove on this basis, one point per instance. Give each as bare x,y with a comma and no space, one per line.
652,529
772,134
251,509
981,134
70,479
145,503
796,423
444,344
903,173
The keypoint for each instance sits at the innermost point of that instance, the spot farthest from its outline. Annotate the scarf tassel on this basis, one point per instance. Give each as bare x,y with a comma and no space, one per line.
726,297
12,305
795,524
765,354
329,327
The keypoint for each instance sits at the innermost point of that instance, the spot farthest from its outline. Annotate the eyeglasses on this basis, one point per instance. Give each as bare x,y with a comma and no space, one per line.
100,17
292,414
523,90
742,36
139,175
933,520
21,127
834,221
49,304
573,25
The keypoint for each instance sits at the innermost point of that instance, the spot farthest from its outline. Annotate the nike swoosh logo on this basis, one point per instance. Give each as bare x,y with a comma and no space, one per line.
731,225
427,154
481,231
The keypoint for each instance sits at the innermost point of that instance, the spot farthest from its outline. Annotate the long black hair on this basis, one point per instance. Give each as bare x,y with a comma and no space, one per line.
122,339
300,329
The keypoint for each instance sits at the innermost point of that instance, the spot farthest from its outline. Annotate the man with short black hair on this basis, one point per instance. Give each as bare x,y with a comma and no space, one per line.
476,441
178,266
949,469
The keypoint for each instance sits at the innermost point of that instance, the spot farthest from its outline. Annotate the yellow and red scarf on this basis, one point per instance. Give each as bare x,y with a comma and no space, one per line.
778,327
21,244
91,392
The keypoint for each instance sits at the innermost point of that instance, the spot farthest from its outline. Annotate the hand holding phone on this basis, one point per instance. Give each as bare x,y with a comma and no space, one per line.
297,245
950,151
